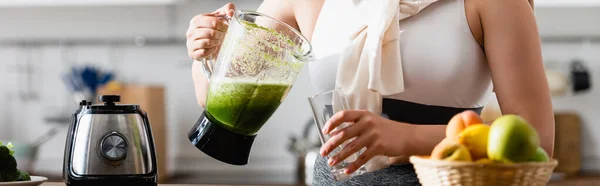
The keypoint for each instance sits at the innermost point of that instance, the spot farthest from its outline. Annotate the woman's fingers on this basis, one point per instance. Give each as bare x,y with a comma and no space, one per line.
348,150
201,48
341,117
211,21
207,43
202,53
228,9
200,41
338,137
204,33
362,159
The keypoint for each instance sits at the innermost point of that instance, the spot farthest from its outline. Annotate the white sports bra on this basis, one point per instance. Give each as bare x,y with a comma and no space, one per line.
442,62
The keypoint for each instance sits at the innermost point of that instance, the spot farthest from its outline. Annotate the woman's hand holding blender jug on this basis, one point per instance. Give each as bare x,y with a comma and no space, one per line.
204,37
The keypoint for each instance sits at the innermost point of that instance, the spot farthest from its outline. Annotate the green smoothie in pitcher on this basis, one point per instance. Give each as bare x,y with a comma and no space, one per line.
243,106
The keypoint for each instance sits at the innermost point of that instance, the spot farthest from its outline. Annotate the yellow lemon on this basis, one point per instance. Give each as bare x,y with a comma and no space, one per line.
475,138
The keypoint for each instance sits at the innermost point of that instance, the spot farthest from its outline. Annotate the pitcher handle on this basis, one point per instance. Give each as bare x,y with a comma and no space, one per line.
207,66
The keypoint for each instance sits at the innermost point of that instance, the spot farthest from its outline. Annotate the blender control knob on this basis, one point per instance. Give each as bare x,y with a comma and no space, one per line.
113,147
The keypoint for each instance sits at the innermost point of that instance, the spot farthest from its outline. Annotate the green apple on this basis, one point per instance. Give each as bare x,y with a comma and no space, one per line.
512,139
540,156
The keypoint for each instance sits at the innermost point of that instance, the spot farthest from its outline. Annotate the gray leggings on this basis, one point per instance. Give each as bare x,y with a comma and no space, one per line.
396,175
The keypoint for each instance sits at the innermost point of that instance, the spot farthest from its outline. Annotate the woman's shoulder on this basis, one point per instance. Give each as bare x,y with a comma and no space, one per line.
476,11
484,6
279,9
306,13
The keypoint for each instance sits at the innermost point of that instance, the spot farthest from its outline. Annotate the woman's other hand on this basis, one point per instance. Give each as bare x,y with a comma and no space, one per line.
206,32
378,135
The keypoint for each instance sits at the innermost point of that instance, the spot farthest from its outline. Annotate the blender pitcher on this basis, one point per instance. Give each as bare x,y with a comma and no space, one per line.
257,64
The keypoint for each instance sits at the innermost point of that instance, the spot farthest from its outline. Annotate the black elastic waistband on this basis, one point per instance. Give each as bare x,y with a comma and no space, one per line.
415,113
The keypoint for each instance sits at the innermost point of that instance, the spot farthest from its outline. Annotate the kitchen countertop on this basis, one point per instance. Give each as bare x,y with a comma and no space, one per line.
63,184
575,181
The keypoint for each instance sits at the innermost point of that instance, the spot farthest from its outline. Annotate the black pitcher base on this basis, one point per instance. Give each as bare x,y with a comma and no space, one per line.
220,143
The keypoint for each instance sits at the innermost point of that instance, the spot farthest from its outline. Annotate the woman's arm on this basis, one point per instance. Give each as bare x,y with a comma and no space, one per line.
513,49
278,9
423,138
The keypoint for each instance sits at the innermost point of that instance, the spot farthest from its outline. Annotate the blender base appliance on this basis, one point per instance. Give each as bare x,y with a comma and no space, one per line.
109,144
214,141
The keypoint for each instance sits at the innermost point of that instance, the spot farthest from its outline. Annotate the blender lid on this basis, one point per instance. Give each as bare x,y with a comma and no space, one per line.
108,106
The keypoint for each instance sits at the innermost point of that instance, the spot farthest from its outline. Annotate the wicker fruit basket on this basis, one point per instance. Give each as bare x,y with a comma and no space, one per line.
441,173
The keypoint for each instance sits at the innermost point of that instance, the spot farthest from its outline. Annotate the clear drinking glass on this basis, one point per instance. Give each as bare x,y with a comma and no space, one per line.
324,106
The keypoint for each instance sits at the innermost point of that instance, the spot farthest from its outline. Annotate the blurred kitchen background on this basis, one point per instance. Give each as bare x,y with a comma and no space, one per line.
141,44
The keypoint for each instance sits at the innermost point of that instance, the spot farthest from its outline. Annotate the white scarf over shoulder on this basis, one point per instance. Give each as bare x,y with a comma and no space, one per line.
370,65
